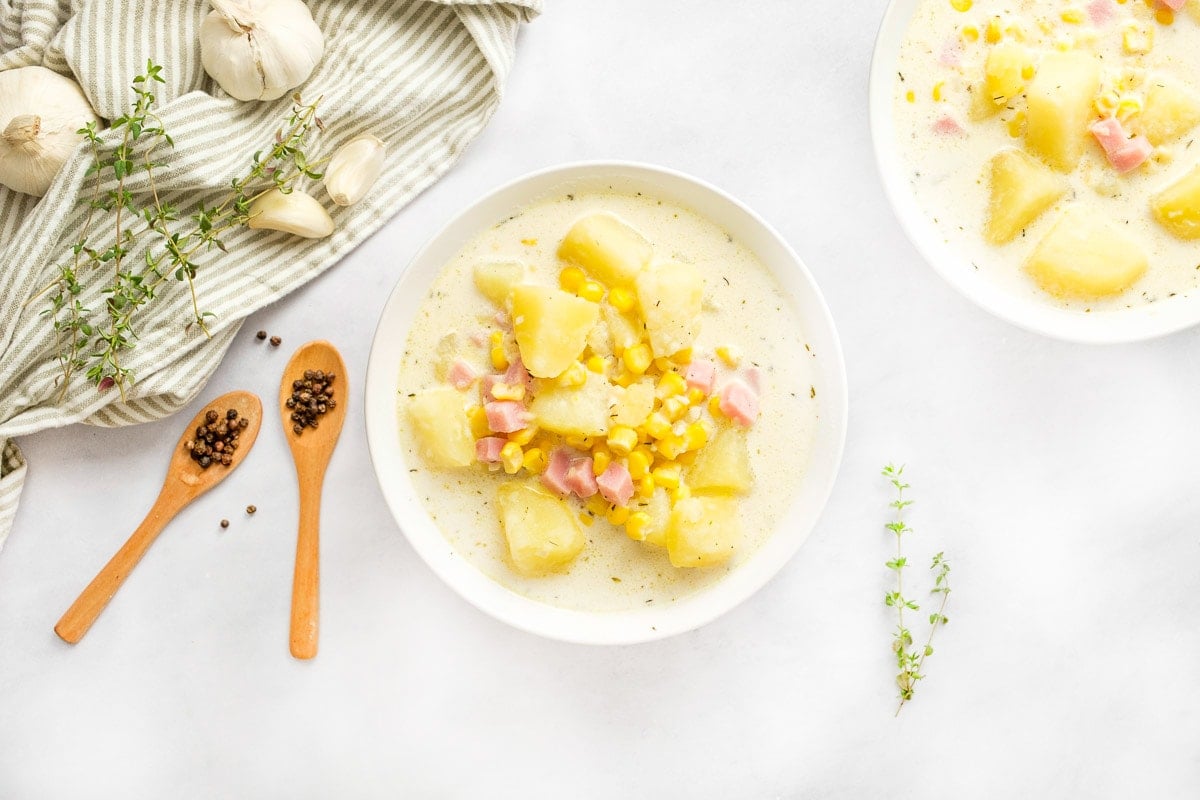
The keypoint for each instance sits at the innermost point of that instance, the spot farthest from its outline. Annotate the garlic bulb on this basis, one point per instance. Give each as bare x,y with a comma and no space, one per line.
259,49
40,112
354,169
294,212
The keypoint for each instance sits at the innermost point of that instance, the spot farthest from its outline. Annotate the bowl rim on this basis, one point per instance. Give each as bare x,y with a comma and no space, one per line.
1150,321
576,626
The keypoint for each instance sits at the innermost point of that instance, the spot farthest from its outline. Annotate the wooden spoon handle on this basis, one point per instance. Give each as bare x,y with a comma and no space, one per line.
306,583
87,607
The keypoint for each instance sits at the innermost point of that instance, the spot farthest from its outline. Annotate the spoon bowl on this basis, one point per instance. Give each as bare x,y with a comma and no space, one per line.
186,480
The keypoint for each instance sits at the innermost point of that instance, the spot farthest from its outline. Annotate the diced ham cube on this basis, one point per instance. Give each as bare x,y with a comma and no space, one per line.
701,374
555,475
739,402
948,126
517,375
1100,12
461,375
615,484
580,478
1174,5
488,449
506,416
1124,153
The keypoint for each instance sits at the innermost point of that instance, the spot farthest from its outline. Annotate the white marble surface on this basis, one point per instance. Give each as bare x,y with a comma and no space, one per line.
1060,479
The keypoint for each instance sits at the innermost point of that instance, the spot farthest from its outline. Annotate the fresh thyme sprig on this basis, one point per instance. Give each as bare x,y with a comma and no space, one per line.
170,253
910,662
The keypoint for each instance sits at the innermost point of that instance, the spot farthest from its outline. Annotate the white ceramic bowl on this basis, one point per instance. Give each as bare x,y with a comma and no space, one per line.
1126,325
643,624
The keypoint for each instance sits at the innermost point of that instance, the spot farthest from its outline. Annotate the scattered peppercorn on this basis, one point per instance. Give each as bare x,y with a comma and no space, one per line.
251,509
216,439
224,523
312,396
260,335
276,341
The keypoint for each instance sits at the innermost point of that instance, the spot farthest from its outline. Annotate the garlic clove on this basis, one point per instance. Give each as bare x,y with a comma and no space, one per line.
260,50
295,212
354,169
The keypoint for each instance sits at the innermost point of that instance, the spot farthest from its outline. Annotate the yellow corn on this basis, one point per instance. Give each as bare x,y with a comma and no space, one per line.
680,492
661,364
636,527
637,358
511,457
994,31
529,242
639,463
695,396
572,279
1128,107
729,354
624,379
586,518
675,407
657,425
1106,103
1164,16
622,439
686,459
683,357
621,299
499,358
1073,16
1028,71
671,447
573,376
597,505
911,96
695,436
579,442
671,384
619,515
592,291
970,33
523,436
534,460
666,476
645,487
597,364
477,418
1016,125
714,406
937,91
961,5
600,461
1135,39
505,391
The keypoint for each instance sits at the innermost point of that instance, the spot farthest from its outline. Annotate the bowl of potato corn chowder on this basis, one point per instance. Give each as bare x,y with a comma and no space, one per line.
606,403
1038,153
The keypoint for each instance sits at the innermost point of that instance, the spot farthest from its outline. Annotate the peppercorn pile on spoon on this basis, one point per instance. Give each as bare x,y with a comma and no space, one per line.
192,472
312,401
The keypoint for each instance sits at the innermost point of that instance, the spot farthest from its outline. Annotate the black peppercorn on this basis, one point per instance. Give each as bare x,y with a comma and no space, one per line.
276,341
260,335
224,523
251,509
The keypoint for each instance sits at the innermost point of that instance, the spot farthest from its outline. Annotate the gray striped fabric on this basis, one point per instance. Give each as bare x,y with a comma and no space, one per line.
423,75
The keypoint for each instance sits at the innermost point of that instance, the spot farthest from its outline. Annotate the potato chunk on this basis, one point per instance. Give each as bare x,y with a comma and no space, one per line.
1004,72
1177,208
1022,188
495,279
1169,112
442,429
578,411
724,465
1084,257
670,297
541,530
634,404
551,327
1060,98
606,247
704,531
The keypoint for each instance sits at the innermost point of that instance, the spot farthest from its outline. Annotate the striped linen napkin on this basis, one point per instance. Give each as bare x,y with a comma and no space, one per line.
423,75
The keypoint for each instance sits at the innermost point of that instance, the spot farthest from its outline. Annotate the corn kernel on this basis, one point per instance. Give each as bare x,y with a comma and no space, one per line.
994,31
523,436
680,492
683,357
622,439
1073,16
970,33
645,487
600,462
1164,16
661,364
639,463
1016,125
1128,107
621,299
529,242
937,91
579,442
624,379
666,476
477,418
572,279
1136,39
675,407
637,358
573,376
511,457
730,355
592,291
619,515
695,436
534,460
1028,71
695,396
911,96
961,5
499,358
670,385
671,447
597,505
657,425
506,391
636,526
597,364
586,518
497,337
686,459
714,407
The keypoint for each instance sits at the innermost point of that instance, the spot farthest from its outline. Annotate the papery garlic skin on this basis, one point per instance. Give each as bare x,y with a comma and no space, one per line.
354,169
260,49
40,112
295,212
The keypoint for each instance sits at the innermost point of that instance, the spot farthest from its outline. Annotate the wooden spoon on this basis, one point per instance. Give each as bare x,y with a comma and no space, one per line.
311,451
186,480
